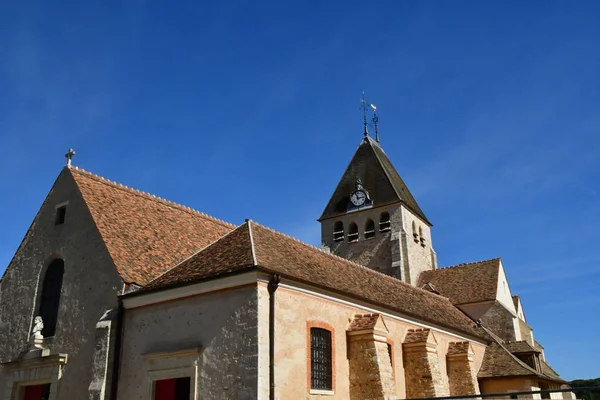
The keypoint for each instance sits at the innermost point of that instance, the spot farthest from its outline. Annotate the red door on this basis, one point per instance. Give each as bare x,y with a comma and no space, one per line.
37,392
172,389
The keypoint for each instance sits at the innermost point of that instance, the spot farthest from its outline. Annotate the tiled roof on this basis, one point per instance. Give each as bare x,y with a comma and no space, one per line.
292,259
458,348
520,346
498,361
363,321
465,283
379,177
549,372
145,235
538,345
417,335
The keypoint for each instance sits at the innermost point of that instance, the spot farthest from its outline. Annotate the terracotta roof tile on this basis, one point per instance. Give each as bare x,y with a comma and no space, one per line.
145,235
548,371
278,253
498,361
520,346
465,283
458,348
363,321
417,335
538,345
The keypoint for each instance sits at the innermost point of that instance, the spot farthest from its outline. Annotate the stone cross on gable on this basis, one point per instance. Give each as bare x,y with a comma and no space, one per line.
69,156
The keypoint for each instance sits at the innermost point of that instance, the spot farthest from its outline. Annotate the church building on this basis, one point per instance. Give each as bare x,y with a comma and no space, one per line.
117,294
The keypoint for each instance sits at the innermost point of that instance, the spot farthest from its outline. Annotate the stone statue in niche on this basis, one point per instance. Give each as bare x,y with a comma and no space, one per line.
38,325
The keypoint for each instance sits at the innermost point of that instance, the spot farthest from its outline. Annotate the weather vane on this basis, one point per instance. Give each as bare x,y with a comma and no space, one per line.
375,120
364,106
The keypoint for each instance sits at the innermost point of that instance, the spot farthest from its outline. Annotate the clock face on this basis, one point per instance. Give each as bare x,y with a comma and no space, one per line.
358,198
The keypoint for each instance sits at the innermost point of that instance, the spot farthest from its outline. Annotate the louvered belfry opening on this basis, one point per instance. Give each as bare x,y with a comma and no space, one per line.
50,300
320,360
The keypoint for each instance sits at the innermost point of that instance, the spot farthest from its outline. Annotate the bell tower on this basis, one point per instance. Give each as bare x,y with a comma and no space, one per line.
373,219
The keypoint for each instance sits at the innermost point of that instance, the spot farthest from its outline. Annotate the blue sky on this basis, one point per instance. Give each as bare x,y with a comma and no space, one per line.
489,111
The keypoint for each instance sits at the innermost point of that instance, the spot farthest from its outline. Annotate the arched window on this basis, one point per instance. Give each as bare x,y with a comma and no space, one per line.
369,229
321,359
421,236
384,222
353,232
415,233
338,231
50,298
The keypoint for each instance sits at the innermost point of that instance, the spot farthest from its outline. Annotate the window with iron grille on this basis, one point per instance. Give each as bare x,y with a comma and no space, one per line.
320,359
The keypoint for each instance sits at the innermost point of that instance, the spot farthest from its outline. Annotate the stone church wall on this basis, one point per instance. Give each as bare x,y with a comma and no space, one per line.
214,334
396,252
297,310
500,321
419,250
90,287
376,252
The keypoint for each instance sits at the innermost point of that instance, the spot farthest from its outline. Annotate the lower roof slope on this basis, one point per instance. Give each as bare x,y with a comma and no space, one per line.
465,283
500,362
145,235
253,245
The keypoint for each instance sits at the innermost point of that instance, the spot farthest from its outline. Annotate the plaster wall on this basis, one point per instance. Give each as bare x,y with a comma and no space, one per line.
503,294
503,385
223,325
295,309
90,287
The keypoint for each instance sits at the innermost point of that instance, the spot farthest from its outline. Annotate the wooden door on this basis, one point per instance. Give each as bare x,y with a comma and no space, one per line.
37,392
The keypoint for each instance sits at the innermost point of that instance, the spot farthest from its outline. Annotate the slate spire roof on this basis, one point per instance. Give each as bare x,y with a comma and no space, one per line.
144,234
379,177
252,246
465,283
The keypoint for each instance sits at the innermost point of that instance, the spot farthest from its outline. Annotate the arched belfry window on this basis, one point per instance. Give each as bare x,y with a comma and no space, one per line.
353,232
50,298
421,236
369,229
338,231
415,233
384,222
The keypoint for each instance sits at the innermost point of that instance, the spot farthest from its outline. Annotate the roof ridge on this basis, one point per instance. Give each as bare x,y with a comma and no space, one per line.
335,256
150,196
469,263
196,253
252,248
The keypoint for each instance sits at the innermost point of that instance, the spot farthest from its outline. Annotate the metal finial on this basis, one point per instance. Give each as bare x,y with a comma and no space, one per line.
69,156
363,107
375,121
